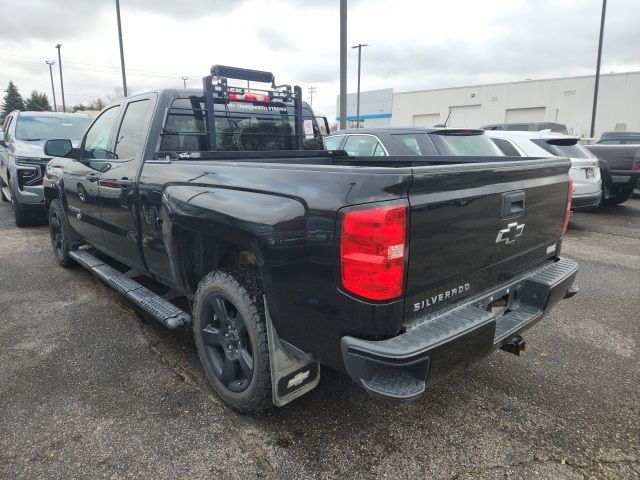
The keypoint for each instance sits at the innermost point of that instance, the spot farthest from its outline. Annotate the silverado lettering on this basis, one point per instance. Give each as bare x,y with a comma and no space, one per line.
428,302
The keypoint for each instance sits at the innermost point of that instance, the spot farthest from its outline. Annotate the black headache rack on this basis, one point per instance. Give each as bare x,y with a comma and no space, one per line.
217,95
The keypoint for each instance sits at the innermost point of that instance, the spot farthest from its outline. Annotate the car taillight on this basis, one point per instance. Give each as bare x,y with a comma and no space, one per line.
567,211
372,251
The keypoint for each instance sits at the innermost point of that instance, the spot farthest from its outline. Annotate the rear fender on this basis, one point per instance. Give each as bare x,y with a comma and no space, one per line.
212,227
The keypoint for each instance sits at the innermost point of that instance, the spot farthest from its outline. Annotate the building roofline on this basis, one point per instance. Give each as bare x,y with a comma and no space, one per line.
517,81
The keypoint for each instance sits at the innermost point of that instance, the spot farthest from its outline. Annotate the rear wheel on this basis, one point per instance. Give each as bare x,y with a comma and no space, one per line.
231,338
62,239
617,199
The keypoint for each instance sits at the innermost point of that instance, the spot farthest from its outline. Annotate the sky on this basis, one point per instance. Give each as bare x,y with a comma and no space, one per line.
413,45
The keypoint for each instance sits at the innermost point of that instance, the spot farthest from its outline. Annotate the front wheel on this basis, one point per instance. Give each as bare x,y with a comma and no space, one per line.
231,338
2,195
61,235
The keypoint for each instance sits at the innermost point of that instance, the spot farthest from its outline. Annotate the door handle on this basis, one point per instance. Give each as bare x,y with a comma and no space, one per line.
124,182
512,204
92,177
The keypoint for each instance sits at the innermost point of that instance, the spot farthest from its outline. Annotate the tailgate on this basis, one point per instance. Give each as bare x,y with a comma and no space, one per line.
474,226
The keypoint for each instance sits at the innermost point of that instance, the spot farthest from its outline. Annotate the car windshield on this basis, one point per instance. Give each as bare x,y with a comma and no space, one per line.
474,144
417,143
556,148
620,141
47,127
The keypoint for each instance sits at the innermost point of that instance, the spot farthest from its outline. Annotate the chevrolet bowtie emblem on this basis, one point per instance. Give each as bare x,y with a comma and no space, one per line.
511,233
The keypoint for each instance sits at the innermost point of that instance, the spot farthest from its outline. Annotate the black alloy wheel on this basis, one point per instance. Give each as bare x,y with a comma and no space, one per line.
227,343
230,333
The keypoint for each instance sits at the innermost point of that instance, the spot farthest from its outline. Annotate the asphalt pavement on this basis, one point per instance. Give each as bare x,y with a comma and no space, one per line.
90,388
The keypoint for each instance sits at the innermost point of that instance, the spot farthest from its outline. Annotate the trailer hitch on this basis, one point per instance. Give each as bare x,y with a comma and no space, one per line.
516,346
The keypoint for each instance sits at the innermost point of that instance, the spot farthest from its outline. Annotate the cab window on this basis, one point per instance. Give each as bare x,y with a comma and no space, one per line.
333,142
96,144
129,136
364,146
508,148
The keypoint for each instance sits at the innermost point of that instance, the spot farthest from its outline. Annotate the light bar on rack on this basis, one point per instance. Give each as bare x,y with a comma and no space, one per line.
242,74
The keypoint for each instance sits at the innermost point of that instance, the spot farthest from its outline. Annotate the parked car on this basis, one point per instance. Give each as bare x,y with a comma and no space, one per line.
22,160
619,138
380,142
585,171
529,127
620,166
285,258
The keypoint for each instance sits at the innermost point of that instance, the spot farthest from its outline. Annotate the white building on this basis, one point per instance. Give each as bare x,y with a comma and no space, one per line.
375,108
563,100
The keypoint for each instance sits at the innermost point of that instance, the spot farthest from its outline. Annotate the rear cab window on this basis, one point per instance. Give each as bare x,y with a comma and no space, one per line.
239,126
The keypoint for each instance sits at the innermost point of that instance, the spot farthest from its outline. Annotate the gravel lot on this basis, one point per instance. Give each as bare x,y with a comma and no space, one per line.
89,388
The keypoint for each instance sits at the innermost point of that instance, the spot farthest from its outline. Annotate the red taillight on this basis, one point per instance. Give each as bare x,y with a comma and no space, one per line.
372,251
567,211
249,97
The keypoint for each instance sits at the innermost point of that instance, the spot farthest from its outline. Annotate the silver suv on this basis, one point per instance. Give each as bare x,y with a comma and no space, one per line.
22,160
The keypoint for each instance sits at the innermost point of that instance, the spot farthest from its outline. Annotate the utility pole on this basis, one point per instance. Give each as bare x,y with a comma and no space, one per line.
53,90
312,90
184,81
595,91
64,106
343,64
124,75
359,47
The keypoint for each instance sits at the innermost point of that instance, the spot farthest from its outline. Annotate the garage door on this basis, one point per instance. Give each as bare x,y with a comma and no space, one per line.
524,115
464,116
427,120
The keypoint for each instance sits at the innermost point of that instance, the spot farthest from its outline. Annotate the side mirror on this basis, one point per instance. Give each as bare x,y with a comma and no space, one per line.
58,148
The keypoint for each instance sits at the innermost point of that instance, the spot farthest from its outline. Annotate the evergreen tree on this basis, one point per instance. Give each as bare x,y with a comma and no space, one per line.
12,99
79,108
38,102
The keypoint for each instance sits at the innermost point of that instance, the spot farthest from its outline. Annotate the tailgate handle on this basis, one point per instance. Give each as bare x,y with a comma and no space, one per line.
512,204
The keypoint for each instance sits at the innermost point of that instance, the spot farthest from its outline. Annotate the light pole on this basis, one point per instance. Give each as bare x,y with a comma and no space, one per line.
64,107
53,90
184,81
124,75
343,64
312,90
359,47
595,91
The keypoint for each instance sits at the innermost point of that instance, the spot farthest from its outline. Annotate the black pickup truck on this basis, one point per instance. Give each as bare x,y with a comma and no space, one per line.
396,270
620,167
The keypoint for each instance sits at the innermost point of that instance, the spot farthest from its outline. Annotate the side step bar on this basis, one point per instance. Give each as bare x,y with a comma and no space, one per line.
163,311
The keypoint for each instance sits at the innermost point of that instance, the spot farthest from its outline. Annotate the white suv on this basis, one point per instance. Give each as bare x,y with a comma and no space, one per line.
584,171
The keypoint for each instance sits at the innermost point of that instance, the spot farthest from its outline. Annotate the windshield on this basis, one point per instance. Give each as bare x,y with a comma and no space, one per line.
417,143
239,126
457,144
47,127
572,151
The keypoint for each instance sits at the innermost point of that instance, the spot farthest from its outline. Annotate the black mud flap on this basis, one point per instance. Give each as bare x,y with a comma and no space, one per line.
292,374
